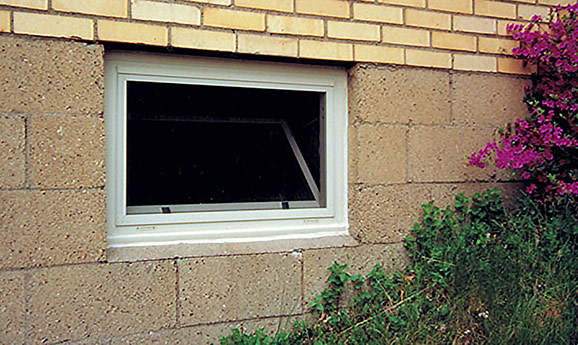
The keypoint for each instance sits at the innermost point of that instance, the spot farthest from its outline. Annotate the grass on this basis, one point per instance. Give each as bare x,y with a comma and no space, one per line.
479,274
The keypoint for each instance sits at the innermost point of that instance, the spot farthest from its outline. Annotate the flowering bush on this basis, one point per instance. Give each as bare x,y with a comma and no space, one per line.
543,147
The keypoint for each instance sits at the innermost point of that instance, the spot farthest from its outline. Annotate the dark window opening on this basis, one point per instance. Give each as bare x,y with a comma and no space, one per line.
199,145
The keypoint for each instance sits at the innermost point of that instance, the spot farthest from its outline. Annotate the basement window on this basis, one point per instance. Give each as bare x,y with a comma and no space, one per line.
206,150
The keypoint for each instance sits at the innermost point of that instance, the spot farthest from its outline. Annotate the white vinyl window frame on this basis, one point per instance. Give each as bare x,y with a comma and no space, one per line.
227,225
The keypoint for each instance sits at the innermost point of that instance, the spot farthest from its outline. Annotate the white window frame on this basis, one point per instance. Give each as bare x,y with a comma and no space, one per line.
231,225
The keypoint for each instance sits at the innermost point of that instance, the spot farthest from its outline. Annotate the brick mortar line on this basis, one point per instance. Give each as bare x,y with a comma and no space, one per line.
178,307
31,189
27,156
365,186
12,113
420,125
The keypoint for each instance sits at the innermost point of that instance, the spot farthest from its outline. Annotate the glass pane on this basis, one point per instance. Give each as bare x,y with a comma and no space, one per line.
197,144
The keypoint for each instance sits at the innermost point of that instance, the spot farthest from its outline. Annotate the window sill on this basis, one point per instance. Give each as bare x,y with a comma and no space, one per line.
186,250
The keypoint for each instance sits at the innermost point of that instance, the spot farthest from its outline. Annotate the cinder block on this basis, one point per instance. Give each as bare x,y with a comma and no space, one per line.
404,36
379,54
425,58
239,287
330,8
387,213
4,21
526,12
45,228
412,3
352,149
479,63
109,30
72,76
496,45
382,154
53,26
295,25
497,99
361,260
231,19
203,39
402,96
166,12
12,157
208,334
495,9
514,66
12,308
267,45
107,8
325,50
474,24
425,19
66,152
271,5
36,4
446,40
460,6
375,13
353,31
101,300
438,154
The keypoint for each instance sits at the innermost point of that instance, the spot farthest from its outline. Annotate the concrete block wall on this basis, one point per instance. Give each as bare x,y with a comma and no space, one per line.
453,34
409,130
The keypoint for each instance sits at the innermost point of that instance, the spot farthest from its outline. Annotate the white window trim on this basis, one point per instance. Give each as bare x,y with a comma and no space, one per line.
224,226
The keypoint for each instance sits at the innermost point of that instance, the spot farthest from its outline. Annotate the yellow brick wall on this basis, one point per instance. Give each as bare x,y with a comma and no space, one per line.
451,34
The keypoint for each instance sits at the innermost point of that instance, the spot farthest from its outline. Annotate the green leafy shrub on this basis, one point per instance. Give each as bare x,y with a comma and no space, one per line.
479,274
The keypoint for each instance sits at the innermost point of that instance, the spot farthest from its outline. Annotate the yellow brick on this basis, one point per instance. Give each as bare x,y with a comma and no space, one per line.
496,45
495,9
502,30
272,5
474,24
108,8
428,19
132,32
295,25
166,12
379,54
215,2
202,39
4,21
53,26
411,37
514,66
526,1
426,58
232,19
453,41
461,6
475,63
526,12
330,8
326,50
353,31
375,13
38,4
412,3
267,45
553,2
